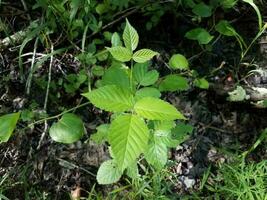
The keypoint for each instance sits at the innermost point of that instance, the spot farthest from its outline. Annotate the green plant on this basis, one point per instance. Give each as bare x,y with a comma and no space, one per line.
141,123
240,181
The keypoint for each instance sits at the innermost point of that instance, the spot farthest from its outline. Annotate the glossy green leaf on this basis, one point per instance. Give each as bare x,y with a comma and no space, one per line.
156,109
144,55
128,137
178,61
202,10
130,37
265,103
201,83
173,83
68,129
225,28
120,53
111,98
108,173
7,125
199,34
147,92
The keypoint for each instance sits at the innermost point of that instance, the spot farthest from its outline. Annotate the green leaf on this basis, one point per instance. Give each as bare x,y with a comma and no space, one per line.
147,92
139,71
116,40
132,171
68,129
226,4
202,10
101,135
120,53
116,76
97,70
178,61
225,28
7,125
239,94
181,131
101,8
150,78
163,125
111,98
199,34
156,153
128,137
142,76
130,37
144,55
108,173
201,83
173,83
156,109
265,103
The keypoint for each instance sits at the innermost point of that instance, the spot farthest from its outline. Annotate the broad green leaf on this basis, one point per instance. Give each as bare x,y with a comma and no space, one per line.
178,61
225,28
181,132
101,8
111,98
144,55
199,34
97,70
116,76
202,10
147,92
101,135
68,129
265,103
150,78
116,40
144,77
173,83
130,37
156,109
156,153
201,83
120,53
7,125
128,137
108,173
162,132
139,71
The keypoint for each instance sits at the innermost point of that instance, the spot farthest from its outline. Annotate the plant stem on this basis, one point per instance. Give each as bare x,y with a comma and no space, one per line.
58,115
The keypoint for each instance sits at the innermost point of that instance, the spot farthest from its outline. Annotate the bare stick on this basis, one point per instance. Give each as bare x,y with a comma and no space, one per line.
46,97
